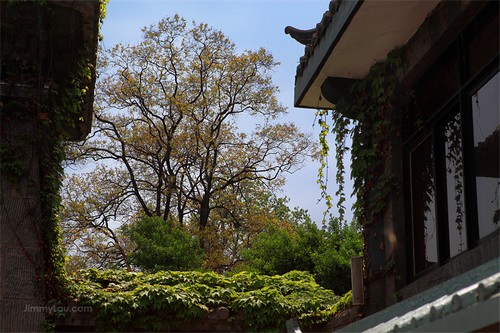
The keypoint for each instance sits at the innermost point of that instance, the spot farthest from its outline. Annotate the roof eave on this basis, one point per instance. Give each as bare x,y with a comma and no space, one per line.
361,33
341,19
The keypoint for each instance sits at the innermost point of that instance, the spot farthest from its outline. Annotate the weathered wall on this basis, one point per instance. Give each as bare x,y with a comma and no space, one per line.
41,45
21,246
216,321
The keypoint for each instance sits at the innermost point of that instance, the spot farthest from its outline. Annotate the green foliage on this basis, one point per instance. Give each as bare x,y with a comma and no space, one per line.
161,300
56,277
281,250
163,246
102,15
332,261
376,108
341,128
323,159
373,121
10,165
275,252
324,253
284,246
379,104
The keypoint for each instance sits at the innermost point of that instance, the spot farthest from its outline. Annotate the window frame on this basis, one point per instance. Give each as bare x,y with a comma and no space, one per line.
460,103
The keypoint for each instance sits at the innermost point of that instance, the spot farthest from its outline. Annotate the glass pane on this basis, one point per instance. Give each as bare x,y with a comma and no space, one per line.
455,185
423,206
486,125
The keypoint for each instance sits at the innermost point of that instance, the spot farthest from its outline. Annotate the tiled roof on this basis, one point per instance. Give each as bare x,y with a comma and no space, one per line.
464,303
312,37
445,306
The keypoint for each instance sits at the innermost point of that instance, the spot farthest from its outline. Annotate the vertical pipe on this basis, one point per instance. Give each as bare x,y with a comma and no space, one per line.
358,290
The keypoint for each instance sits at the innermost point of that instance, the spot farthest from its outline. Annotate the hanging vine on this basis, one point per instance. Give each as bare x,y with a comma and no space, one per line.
322,180
455,169
341,128
372,122
377,107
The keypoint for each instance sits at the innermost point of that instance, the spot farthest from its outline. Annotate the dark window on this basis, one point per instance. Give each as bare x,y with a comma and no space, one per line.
441,83
423,200
452,148
485,116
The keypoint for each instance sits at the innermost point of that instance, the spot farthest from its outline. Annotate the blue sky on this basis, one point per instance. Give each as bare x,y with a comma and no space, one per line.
250,24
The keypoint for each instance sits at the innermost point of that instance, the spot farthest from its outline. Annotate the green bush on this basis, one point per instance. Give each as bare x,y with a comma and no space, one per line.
325,254
332,260
122,300
162,246
279,250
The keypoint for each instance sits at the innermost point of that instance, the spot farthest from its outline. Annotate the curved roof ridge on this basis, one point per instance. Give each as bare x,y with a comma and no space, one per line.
312,37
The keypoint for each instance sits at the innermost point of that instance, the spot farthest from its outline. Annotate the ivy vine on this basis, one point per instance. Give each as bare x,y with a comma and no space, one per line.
125,300
375,117
372,121
67,102
341,128
53,109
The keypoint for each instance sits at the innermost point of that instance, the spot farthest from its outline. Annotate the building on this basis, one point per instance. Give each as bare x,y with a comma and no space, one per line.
48,53
421,79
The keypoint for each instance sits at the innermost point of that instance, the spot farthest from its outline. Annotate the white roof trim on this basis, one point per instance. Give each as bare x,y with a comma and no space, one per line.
465,303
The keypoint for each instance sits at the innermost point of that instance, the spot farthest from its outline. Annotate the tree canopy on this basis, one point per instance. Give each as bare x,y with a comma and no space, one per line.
185,130
161,245
325,253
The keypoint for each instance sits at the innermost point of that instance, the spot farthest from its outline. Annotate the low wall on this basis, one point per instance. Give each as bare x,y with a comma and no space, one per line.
217,320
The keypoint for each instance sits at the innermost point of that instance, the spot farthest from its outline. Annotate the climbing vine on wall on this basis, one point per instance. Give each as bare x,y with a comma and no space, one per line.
372,120
67,102
51,106
377,108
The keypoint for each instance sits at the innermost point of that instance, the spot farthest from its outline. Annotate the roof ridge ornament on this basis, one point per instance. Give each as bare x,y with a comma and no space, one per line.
304,37
334,6
311,37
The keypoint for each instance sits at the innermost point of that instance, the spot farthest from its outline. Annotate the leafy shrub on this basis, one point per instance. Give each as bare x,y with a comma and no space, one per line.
166,298
332,260
325,254
281,250
162,246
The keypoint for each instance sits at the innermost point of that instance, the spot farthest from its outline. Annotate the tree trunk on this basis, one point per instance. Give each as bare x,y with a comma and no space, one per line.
204,211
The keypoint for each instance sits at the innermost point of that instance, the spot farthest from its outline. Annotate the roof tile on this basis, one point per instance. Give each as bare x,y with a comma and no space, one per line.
312,37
